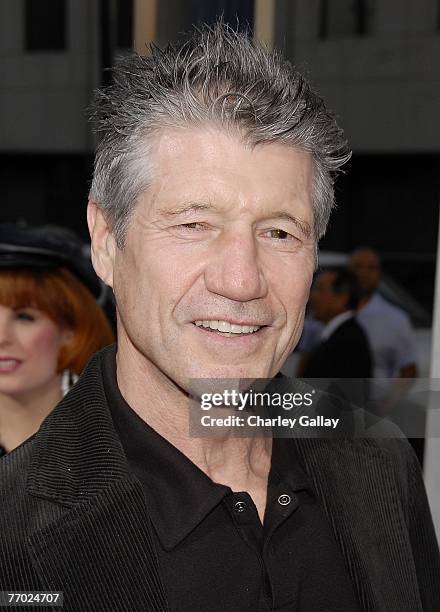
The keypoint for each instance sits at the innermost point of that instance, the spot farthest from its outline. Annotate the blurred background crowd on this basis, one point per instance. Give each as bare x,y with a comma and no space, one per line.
376,62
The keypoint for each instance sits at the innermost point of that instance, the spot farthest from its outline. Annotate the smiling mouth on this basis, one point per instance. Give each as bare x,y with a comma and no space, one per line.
9,365
225,328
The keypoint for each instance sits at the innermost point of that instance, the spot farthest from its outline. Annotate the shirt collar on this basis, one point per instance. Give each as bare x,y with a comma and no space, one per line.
375,301
286,467
336,322
179,494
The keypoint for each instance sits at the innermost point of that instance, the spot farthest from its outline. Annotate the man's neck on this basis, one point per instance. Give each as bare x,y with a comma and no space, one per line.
243,464
363,301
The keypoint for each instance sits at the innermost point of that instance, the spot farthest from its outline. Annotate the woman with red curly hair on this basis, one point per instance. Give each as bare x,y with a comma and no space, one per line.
50,326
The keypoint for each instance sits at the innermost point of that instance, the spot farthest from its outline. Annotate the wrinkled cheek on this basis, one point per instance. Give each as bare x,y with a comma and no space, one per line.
295,315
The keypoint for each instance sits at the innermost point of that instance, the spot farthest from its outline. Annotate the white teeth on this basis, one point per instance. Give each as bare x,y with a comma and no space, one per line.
8,362
226,327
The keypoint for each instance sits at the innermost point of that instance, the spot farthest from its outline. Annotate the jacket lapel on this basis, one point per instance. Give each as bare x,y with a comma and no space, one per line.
356,482
100,552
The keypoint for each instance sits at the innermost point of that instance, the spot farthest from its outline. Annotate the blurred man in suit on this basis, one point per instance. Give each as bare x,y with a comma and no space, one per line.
343,350
388,328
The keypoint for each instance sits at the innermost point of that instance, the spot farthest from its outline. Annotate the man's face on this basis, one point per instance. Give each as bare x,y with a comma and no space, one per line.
222,239
366,265
325,302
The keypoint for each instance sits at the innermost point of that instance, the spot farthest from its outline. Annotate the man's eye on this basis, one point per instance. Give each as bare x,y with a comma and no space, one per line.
280,234
195,226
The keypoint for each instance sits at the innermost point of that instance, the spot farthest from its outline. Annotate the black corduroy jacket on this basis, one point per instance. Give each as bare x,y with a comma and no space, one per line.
73,518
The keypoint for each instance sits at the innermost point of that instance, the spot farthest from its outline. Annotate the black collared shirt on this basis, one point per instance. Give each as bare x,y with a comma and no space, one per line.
213,551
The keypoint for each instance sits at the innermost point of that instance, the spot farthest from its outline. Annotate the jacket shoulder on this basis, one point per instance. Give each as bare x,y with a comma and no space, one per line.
21,514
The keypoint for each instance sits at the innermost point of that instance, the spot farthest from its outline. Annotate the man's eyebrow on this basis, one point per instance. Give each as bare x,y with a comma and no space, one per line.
190,207
303,226
187,207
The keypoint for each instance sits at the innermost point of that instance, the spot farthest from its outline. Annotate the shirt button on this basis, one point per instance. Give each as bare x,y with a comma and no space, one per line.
284,500
240,506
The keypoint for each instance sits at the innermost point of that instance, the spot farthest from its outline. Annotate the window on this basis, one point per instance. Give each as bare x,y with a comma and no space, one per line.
124,24
177,16
45,25
344,18
237,13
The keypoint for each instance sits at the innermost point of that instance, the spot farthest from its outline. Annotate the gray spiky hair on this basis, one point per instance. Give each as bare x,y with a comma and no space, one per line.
218,77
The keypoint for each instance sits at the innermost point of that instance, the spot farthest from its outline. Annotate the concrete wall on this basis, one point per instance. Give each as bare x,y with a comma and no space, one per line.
385,86
43,94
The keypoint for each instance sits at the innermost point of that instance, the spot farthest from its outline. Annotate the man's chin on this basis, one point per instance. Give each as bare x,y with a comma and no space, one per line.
222,380
227,372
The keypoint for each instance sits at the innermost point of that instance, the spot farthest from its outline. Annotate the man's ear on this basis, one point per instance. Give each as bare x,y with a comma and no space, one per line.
103,245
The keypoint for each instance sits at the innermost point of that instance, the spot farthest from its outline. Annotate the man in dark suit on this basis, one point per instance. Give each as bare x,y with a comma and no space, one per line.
213,183
342,360
343,351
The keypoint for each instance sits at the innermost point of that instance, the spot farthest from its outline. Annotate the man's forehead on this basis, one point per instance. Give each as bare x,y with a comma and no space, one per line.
199,170
210,143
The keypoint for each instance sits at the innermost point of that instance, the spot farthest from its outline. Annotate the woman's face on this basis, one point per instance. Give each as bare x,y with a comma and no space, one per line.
30,344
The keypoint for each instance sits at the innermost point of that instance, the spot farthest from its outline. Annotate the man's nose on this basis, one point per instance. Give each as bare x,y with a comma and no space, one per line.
234,270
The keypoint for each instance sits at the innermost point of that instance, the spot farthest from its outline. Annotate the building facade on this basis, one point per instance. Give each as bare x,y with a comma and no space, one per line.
376,62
